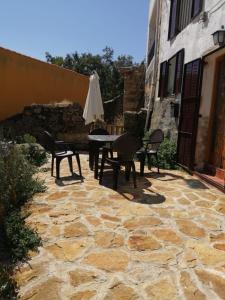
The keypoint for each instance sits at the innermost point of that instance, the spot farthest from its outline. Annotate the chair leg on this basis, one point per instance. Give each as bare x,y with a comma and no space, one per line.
115,177
149,161
156,156
102,168
78,163
58,161
70,162
134,174
127,171
142,164
52,168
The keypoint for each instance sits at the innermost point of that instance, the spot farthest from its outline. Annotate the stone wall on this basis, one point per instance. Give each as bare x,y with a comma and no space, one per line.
134,122
163,118
64,121
134,84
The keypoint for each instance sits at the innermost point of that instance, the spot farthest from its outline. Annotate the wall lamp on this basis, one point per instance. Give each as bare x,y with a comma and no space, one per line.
219,37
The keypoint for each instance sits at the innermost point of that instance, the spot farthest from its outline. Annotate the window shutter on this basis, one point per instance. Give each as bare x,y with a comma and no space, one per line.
196,7
173,18
179,72
163,79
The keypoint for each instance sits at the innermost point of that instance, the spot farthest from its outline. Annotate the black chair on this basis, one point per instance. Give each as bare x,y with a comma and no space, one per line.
150,148
126,146
60,150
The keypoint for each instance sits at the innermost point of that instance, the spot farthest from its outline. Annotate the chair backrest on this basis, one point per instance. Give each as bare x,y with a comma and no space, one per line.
47,141
126,146
156,138
99,131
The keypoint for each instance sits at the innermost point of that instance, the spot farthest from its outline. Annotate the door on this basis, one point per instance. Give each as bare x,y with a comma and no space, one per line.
189,114
217,157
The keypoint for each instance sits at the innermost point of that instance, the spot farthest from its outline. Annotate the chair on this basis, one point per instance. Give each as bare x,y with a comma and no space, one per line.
151,147
126,146
59,151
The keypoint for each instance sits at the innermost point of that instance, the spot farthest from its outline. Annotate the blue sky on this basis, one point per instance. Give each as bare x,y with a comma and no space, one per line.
33,27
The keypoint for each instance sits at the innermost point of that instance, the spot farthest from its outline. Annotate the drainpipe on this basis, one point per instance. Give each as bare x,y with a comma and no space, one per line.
155,69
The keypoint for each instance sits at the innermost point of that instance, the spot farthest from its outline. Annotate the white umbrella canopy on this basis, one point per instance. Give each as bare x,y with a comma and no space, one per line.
93,109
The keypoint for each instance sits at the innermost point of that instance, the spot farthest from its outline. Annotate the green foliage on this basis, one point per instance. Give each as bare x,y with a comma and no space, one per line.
35,155
167,155
18,183
111,81
29,139
8,287
19,237
25,139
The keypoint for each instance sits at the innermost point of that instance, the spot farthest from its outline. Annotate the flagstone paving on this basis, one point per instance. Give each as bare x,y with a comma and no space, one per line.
163,240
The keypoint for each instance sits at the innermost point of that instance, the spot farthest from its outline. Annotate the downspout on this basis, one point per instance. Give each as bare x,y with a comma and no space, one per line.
155,69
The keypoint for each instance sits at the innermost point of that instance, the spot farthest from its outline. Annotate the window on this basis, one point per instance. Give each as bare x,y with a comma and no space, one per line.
181,14
171,74
163,79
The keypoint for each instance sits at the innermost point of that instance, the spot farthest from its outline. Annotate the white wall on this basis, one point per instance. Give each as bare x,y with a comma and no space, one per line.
196,38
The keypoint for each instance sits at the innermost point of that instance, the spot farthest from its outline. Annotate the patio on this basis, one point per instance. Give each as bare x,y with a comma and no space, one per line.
163,240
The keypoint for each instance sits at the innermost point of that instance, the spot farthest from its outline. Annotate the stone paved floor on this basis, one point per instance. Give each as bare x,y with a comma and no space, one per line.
163,240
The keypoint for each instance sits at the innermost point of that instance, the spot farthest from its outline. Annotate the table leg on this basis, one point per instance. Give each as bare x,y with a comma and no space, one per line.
96,158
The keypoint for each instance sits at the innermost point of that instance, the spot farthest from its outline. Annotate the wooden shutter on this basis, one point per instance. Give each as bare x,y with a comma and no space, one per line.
163,79
196,7
173,18
189,114
179,72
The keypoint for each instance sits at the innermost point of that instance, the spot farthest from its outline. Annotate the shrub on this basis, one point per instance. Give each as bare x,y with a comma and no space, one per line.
8,287
25,139
18,183
35,155
19,237
167,155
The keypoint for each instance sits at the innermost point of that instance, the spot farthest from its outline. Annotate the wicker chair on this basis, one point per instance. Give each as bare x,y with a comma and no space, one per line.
151,147
126,146
60,150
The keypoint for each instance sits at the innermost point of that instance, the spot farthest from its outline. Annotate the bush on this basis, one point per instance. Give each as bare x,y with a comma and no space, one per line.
8,287
167,155
35,155
18,183
19,237
26,139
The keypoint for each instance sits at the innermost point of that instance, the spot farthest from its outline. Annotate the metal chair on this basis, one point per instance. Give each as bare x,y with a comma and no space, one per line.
150,148
126,146
60,150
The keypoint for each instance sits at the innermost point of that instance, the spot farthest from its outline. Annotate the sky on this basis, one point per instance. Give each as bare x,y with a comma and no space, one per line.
33,27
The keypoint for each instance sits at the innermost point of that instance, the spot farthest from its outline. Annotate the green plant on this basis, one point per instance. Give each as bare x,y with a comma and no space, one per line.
35,155
29,139
8,287
167,155
18,183
19,237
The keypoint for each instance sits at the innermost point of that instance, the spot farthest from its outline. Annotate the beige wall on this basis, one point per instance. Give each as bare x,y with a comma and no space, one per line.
24,81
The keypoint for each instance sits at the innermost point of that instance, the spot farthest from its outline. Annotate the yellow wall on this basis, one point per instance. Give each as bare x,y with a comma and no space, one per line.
24,81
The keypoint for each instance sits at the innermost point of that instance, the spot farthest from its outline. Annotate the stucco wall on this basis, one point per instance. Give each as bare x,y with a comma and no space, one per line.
24,81
196,38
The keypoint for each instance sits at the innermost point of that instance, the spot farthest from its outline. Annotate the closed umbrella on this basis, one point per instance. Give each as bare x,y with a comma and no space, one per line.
93,109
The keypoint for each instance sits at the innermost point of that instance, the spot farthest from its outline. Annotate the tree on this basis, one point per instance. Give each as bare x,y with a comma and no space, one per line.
111,81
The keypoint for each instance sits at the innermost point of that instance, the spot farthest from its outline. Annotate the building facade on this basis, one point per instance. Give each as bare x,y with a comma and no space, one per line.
185,80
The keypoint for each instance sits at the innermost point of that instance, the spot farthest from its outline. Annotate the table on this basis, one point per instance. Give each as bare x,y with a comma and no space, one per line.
98,141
